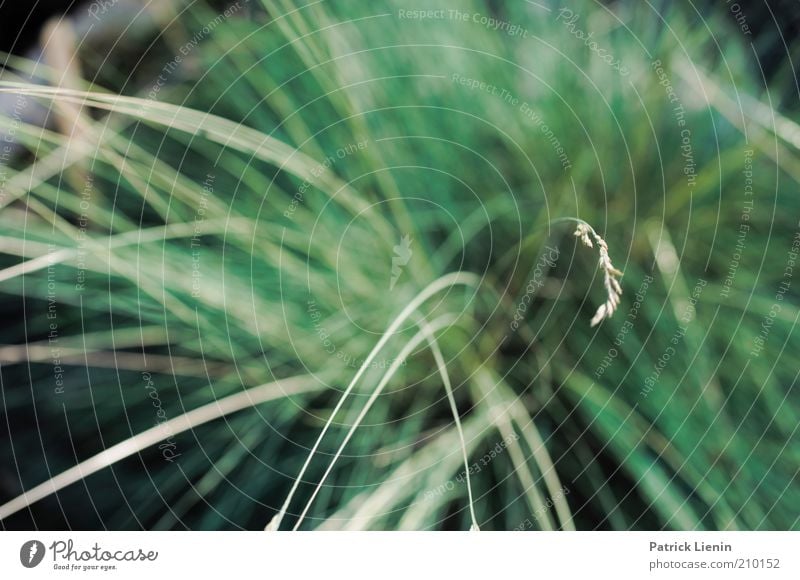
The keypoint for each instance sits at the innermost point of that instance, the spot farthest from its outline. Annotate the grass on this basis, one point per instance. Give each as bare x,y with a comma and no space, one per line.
233,239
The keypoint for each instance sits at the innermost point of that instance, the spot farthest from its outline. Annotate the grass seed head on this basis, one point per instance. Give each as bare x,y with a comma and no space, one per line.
610,274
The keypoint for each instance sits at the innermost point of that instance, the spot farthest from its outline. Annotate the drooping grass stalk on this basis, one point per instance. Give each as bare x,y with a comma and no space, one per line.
442,366
446,281
422,335
427,331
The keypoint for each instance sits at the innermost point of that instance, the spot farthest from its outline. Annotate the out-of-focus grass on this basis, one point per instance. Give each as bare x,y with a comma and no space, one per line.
204,266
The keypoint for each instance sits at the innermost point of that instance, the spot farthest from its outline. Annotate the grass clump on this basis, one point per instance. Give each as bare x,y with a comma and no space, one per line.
234,237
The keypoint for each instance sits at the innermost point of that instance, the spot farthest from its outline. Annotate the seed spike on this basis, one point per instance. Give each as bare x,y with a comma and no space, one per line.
610,274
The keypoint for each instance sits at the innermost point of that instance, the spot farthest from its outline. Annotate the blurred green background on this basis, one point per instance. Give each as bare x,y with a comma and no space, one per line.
284,180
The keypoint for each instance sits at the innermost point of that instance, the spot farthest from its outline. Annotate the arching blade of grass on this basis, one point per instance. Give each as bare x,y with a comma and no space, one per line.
185,422
445,282
205,126
435,456
422,335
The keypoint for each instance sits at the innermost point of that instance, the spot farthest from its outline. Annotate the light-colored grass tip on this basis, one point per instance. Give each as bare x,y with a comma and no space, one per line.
610,274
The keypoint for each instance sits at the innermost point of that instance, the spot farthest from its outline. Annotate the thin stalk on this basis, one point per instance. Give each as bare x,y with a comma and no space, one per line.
441,322
437,285
440,363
